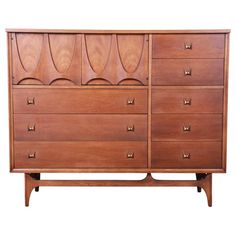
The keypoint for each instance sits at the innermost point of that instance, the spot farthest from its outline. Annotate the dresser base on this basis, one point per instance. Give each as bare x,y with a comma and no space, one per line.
204,181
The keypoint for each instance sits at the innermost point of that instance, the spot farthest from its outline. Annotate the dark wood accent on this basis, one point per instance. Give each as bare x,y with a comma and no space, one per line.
167,155
187,100
118,101
187,71
188,46
36,176
171,127
95,154
61,100
200,176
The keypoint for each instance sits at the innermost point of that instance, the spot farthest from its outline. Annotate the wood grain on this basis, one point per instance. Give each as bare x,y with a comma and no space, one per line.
66,100
142,101
59,127
172,72
114,59
46,59
81,154
110,31
203,46
169,127
187,100
201,155
225,102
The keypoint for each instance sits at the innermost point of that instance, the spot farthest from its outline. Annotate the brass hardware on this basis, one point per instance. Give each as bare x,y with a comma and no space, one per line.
31,128
130,155
187,128
187,101
188,46
188,72
30,101
186,155
130,101
130,128
32,155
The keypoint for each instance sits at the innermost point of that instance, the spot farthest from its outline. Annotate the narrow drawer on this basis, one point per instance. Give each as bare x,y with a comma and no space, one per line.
187,155
186,127
55,100
80,154
188,46
187,100
79,127
187,71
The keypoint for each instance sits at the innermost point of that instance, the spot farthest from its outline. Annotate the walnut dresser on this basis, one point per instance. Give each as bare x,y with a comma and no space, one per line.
115,101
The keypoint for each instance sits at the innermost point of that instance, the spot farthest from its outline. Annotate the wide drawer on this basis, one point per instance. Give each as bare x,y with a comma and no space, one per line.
187,71
80,154
187,100
187,155
63,127
56,100
177,127
188,46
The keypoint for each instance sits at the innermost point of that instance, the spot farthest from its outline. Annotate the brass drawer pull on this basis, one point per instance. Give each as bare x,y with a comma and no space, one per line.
187,101
130,155
187,128
188,72
30,101
32,155
31,128
130,101
186,155
130,128
188,46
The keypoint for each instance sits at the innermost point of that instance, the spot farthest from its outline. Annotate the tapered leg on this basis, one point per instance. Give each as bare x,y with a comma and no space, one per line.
207,186
205,183
28,188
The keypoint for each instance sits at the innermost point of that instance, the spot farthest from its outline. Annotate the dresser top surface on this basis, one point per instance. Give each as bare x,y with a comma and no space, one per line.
87,31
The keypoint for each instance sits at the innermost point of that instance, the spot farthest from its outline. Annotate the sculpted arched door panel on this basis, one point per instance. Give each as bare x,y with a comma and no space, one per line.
46,58
115,59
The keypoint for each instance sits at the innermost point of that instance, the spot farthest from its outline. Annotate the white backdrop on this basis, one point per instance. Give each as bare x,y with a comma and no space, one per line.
117,211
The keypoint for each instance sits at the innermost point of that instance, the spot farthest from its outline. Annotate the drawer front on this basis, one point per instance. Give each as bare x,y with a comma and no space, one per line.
187,100
186,155
79,100
187,71
171,127
188,46
79,127
80,155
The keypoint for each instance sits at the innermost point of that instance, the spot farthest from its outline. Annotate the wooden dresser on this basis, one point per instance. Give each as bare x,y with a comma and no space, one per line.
118,101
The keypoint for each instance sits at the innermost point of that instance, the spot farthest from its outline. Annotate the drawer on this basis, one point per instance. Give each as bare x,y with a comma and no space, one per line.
187,100
188,46
79,127
187,71
186,127
56,100
187,155
80,154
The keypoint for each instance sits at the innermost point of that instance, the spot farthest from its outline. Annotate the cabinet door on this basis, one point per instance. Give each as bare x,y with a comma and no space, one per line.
115,59
46,58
